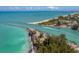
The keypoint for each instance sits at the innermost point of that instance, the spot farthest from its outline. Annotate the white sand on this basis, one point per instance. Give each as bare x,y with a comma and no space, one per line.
39,21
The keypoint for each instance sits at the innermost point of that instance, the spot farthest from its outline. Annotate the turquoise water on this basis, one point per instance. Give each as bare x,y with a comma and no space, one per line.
70,34
15,39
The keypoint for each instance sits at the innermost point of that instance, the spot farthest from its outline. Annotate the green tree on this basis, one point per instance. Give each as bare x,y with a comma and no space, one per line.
55,44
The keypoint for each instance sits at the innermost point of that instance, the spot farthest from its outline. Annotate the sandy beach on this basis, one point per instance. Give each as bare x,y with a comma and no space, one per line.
39,21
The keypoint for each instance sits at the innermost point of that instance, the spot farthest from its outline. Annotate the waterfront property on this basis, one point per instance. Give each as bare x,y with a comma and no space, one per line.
69,21
39,31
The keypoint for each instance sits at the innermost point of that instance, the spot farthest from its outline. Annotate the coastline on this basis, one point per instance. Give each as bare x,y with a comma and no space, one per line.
46,20
39,21
34,37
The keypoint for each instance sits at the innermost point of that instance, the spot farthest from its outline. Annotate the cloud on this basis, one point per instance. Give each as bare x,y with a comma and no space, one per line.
52,7
26,8
14,8
32,8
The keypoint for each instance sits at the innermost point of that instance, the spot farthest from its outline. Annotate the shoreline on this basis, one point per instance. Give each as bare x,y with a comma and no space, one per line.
72,45
39,21
46,20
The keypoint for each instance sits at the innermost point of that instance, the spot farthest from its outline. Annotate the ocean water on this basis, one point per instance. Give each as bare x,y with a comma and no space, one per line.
15,39
31,16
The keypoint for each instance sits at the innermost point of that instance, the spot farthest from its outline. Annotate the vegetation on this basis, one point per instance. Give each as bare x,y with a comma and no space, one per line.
54,44
67,21
64,20
48,22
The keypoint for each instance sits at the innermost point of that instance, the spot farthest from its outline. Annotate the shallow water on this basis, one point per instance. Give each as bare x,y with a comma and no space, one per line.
13,39
20,41
70,34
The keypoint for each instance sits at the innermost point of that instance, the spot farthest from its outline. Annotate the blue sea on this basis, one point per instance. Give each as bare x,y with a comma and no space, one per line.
15,40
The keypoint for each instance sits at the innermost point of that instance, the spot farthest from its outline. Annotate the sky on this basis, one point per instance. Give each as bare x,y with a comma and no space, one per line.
39,8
